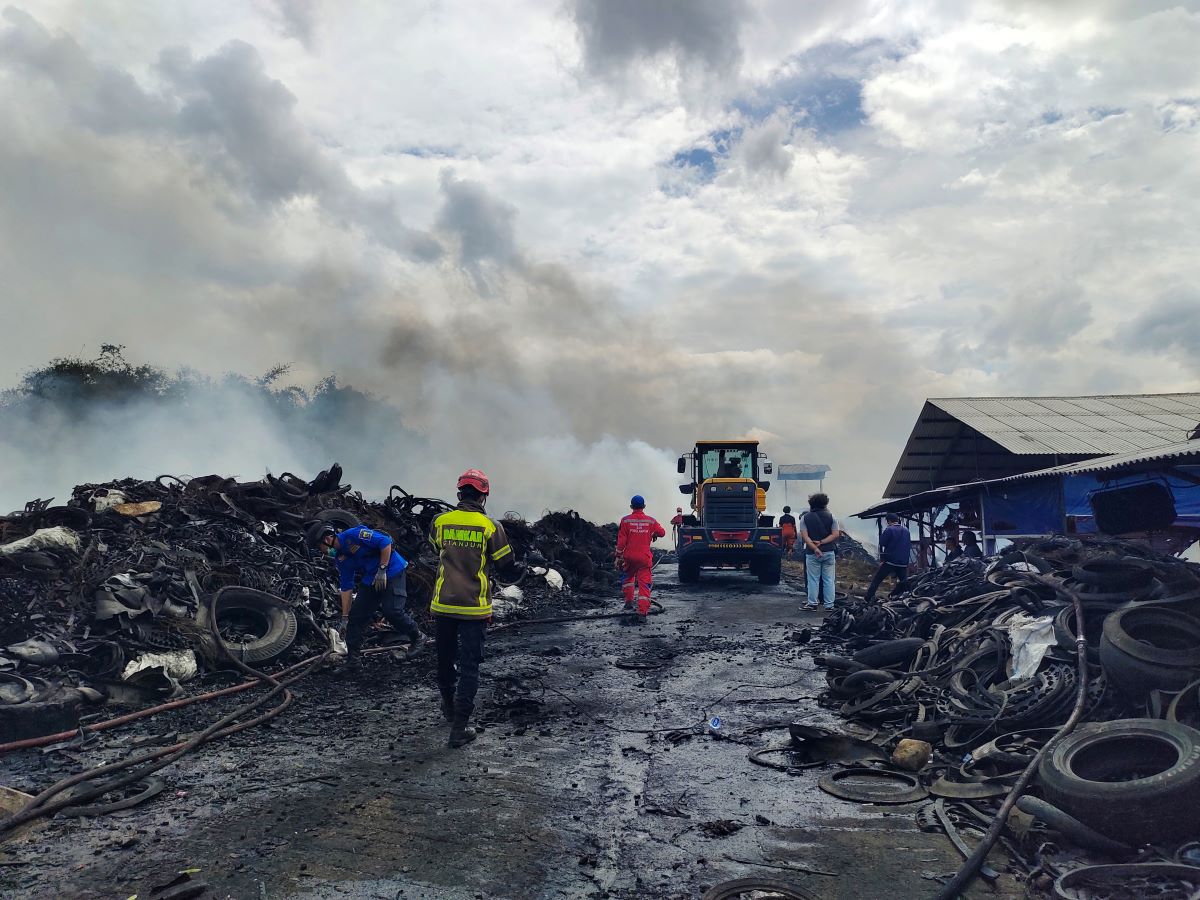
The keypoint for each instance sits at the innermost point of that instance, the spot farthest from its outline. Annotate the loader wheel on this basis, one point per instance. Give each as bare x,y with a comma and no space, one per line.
689,572
769,572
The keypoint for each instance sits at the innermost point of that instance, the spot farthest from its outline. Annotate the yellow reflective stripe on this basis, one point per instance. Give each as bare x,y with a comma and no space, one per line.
502,552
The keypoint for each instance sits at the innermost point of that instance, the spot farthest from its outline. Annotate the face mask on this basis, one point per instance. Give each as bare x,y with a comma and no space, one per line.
331,552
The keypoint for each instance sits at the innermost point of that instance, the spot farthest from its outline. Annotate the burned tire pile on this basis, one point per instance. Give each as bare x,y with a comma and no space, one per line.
124,573
979,660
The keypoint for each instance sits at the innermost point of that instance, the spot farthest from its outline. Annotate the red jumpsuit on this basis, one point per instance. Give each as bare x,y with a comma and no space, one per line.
633,547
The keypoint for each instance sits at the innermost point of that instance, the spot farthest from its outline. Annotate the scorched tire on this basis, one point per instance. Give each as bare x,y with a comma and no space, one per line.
1135,780
277,621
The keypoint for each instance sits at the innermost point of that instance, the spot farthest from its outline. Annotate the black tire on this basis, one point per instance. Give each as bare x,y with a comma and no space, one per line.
268,615
769,571
1155,634
34,719
1114,574
689,572
339,518
1093,628
1149,648
1134,780
889,653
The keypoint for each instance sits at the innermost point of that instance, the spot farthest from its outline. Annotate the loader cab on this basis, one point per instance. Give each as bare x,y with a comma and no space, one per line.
721,462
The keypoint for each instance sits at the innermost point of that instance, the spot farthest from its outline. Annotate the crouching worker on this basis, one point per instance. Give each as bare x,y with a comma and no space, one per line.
468,543
636,559
368,555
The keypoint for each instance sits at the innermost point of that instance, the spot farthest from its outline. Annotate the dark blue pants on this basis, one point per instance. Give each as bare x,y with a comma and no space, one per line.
368,603
885,569
459,653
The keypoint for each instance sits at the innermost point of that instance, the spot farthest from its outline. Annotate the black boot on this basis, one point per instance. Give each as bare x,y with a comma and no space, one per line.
417,645
461,733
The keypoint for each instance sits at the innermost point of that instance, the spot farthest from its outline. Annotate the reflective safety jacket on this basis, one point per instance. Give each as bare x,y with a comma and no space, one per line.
466,541
633,539
358,554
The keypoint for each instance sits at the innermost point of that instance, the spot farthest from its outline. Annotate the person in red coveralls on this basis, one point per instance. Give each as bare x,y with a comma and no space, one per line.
676,524
634,556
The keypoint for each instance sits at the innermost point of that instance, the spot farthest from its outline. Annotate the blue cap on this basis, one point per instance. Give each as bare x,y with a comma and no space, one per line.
638,502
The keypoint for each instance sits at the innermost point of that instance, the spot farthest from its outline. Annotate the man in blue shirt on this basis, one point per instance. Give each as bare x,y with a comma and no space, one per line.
367,554
895,547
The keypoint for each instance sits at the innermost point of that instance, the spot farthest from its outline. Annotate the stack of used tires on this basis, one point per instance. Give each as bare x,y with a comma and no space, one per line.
1135,780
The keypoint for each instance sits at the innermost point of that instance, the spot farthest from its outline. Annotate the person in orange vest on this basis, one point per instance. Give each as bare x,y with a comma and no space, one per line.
634,556
788,523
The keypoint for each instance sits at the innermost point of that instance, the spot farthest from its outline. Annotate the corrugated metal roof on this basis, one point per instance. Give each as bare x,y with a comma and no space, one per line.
1181,450
1186,451
992,437
1106,424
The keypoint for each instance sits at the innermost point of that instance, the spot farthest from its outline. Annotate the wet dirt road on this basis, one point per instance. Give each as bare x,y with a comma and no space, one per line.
594,778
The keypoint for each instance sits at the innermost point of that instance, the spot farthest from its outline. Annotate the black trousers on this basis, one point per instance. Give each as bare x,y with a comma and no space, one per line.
392,601
886,569
459,653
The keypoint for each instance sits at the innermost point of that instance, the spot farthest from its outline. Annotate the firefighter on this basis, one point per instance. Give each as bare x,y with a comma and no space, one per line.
676,524
468,544
368,555
788,523
635,557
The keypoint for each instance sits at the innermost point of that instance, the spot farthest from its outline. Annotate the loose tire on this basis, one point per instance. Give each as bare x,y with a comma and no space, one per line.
268,615
1134,780
1149,648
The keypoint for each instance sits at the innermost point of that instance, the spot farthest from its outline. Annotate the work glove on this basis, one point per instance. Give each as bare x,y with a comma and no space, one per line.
380,581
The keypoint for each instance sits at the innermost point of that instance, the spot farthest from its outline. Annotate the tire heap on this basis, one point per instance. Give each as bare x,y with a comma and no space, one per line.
934,664
124,571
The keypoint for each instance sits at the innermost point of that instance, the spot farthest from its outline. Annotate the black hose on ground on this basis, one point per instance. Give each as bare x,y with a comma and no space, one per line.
970,867
155,760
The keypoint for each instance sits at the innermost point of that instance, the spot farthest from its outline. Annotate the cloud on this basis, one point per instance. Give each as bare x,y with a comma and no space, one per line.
764,149
1171,322
698,39
481,225
299,19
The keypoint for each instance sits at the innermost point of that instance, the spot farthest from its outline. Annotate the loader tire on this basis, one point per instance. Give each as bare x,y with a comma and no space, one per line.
769,573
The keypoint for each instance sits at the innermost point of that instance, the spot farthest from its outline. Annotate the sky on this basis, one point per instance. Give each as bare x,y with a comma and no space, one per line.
565,239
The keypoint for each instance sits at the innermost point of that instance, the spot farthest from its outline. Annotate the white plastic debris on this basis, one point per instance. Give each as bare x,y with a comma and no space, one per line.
506,600
538,570
337,644
178,664
112,497
1030,638
554,580
46,538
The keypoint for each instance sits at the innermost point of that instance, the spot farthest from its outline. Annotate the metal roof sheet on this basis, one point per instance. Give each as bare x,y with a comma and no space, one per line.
1181,453
993,434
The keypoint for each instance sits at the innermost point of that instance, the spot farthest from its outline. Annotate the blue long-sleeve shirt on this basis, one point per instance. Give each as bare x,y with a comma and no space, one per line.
895,545
358,554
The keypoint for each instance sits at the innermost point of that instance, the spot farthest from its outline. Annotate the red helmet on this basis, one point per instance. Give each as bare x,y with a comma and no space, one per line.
476,479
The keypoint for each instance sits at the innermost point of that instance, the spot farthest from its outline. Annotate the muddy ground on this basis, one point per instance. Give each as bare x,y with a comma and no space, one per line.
593,778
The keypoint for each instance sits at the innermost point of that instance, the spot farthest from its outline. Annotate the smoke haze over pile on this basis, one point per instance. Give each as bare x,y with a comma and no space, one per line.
564,242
